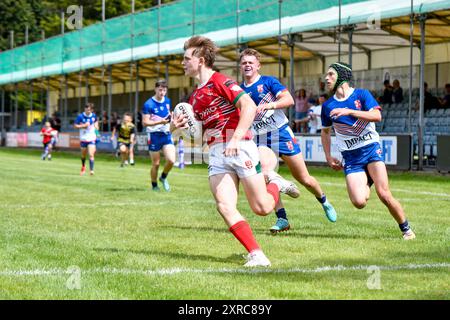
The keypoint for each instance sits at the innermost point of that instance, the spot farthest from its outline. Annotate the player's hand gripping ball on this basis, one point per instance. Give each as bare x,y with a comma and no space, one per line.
192,127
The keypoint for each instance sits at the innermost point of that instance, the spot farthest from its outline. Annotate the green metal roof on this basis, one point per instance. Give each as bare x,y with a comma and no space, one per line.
141,36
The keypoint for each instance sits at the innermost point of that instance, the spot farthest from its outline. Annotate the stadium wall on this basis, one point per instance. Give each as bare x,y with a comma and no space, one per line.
396,148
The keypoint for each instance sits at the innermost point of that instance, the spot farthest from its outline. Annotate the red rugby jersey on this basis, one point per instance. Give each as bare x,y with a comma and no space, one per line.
214,104
46,137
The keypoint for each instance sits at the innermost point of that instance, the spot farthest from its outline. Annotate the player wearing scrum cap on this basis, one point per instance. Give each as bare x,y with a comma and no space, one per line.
227,113
156,117
352,113
274,137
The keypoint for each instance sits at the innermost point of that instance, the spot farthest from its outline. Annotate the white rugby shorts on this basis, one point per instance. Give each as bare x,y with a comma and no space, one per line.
245,164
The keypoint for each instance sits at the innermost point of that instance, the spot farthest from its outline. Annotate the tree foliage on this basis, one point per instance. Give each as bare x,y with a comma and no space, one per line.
45,15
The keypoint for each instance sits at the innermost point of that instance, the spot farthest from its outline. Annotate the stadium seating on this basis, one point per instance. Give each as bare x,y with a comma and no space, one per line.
395,120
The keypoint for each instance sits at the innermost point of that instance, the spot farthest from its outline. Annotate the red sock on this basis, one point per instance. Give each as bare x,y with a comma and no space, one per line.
242,231
272,188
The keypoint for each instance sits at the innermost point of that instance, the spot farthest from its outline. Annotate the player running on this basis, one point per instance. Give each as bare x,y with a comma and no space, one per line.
126,133
48,135
227,113
156,117
273,135
352,113
87,122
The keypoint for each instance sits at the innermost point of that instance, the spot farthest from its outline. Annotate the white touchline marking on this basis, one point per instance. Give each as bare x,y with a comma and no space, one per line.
174,271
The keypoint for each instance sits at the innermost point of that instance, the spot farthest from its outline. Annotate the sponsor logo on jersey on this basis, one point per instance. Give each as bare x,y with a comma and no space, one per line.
228,83
352,142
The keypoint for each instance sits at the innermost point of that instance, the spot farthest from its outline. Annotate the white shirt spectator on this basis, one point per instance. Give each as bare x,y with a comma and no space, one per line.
315,122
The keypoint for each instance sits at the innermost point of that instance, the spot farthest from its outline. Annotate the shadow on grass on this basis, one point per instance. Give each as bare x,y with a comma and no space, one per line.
235,258
325,235
130,189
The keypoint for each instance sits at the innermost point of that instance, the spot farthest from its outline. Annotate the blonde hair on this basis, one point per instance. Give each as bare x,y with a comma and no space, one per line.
250,52
203,47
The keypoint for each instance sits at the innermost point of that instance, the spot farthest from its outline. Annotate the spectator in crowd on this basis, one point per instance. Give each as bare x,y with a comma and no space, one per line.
115,120
387,93
55,122
301,111
322,89
140,127
105,121
430,101
445,101
397,92
315,123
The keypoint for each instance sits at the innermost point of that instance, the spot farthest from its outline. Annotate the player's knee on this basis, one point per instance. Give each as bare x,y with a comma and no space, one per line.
359,203
262,210
385,196
225,209
307,181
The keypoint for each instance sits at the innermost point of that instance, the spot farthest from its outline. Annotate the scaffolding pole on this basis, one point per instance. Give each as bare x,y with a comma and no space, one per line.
102,96
86,97
411,47
31,103
422,20
66,94
291,43
136,96
16,108
109,97
237,41
279,38
3,115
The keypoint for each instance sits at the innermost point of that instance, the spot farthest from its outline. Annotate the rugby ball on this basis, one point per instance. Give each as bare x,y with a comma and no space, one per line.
193,126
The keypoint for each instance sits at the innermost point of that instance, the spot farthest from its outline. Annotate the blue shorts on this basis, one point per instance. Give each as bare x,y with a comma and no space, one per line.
282,142
85,144
358,159
157,140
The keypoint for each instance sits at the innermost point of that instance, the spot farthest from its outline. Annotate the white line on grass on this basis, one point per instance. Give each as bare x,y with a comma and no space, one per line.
174,271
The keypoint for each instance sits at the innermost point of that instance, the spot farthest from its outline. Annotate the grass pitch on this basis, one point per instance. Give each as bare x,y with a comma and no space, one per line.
63,236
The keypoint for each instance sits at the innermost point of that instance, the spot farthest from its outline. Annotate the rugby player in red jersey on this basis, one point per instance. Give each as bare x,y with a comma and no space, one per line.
47,133
226,113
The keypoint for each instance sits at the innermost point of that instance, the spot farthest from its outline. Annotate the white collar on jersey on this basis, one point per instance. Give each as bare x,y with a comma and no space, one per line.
88,116
250,84
154,98
350,92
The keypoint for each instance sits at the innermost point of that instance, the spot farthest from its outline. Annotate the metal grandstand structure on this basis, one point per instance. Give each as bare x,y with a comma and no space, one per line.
149,44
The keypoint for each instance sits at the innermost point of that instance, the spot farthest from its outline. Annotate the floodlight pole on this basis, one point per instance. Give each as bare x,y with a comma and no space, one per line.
422,20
